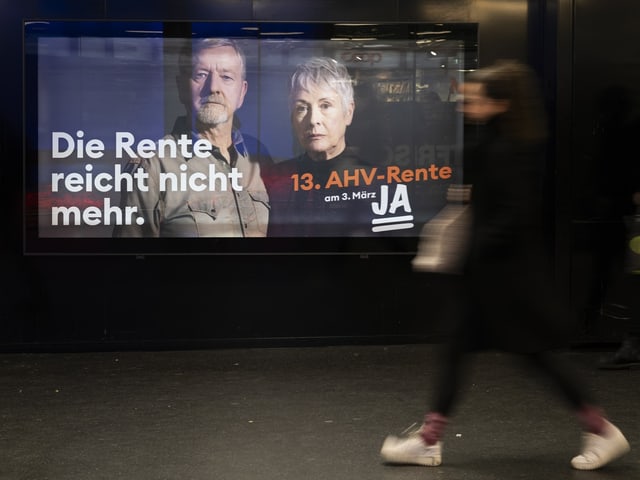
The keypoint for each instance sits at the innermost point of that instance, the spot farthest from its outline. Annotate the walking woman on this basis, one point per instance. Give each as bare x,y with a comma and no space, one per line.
506,299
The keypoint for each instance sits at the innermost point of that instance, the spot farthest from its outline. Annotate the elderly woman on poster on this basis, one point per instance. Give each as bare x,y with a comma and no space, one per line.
327,190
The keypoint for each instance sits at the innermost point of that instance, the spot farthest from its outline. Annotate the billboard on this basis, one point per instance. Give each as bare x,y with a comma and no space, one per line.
193,137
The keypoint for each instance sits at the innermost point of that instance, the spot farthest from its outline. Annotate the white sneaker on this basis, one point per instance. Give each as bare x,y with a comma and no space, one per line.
599,450
411,450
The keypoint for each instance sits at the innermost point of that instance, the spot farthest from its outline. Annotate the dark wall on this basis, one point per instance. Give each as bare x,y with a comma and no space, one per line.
599,112
115,302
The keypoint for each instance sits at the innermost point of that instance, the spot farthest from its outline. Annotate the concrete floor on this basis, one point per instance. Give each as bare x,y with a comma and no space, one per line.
308,413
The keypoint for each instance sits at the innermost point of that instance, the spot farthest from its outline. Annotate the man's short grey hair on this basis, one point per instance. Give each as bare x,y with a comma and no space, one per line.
322,72
191,50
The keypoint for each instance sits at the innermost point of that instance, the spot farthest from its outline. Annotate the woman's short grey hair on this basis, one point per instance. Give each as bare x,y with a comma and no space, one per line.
190,52
322,72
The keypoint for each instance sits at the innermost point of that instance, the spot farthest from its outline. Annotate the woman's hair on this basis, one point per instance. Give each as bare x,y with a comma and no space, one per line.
322,72
526,118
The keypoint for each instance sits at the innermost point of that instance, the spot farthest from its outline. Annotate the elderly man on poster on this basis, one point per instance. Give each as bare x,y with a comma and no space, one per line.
216,194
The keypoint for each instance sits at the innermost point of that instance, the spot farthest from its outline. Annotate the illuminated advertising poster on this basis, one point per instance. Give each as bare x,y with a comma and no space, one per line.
249,137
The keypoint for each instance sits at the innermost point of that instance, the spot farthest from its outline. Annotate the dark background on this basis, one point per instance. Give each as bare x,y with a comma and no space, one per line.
580,50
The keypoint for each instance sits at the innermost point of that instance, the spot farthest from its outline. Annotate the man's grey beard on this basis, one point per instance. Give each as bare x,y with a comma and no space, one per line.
212,115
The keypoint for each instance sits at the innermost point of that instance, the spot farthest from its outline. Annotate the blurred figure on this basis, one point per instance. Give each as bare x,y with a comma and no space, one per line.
616,282
506,299
313,194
